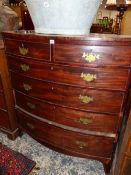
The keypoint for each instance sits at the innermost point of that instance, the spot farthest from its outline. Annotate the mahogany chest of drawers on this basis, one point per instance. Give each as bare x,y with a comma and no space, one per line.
7,107
71,92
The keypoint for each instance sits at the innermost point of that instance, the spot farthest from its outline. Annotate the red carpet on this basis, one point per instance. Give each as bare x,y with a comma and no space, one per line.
14,163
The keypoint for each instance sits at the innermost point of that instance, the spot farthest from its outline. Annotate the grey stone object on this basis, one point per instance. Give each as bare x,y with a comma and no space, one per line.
73,17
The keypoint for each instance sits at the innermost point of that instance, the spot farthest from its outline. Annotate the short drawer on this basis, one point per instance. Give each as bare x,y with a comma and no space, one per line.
92,55
4,120
2,101
69,117
68,140
78,76
80,98
38,51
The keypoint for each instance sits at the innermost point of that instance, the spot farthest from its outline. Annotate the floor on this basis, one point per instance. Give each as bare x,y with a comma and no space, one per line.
50,162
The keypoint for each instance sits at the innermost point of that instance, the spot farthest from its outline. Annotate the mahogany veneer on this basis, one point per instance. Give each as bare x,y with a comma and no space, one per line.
71,92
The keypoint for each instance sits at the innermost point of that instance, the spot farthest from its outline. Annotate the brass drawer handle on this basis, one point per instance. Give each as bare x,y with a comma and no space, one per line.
30,105
85,121
85,99
24,67
88,77
27,87
30,126
23,51
81,144
91,57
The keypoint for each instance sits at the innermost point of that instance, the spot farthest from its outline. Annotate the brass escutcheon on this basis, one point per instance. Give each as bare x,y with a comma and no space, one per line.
85,99
91,57
24,67
88,77
23,51
85,121
27,87
81,144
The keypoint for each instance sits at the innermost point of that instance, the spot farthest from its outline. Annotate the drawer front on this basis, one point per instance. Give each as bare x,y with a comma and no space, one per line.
85,77
28,49
4,120
90,145
35,106
40,130
76,142
86,99
2,101
92,55
68,117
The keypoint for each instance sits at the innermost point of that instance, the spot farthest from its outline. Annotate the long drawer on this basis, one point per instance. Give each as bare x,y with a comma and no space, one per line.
66,116
36,50
78,76
73,141
92,55
81,98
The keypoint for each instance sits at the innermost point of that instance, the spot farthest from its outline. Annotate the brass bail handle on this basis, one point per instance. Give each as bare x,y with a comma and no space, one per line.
23,51
30,105
24,67
31,126
85,99
90,57
81,144
85,121
88,77
27,87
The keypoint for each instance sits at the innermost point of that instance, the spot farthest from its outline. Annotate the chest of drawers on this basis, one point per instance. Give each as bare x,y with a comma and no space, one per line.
7,112
71,92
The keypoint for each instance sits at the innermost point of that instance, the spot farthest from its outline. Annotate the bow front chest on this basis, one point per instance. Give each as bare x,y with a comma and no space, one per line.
71,92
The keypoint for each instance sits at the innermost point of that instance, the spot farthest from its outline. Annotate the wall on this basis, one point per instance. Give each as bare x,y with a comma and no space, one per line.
126,23
105,13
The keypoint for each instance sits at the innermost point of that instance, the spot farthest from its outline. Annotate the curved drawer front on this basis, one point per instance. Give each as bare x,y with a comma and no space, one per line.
2,101
28,49
35,106
92,55
78,76
73,141
92,145
69,117
86,99
40,130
